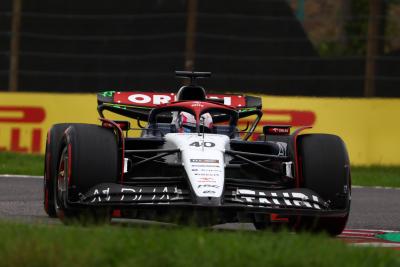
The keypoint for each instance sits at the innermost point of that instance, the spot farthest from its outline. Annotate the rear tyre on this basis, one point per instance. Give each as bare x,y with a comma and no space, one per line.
53,142
325,168
89,156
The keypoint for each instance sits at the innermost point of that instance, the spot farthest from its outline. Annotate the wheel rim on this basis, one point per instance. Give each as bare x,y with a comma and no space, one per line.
61,183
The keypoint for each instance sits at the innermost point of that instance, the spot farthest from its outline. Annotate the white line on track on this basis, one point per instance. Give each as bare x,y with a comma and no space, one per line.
20,176
375,187
368,230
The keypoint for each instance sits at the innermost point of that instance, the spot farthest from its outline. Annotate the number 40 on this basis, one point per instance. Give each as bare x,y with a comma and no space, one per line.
205,144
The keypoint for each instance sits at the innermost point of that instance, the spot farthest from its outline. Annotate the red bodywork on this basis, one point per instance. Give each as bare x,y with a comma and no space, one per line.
147,99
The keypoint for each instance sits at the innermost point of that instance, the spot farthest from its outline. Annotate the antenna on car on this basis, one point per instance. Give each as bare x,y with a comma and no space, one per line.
192,75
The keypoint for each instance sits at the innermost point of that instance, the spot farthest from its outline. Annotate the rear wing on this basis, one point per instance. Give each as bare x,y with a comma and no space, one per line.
139,104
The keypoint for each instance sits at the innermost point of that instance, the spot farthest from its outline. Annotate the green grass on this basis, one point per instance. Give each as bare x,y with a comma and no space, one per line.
376,176
11,163
57,245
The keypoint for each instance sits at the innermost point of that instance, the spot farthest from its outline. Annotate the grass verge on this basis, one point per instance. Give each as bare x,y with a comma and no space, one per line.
12,163
376,176
57,245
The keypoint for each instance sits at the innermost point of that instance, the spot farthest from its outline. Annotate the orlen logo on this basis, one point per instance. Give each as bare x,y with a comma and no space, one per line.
19,116
146,99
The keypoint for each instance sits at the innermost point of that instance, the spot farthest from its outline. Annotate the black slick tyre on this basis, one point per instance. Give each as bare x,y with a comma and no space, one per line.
53,142
88,156
325,169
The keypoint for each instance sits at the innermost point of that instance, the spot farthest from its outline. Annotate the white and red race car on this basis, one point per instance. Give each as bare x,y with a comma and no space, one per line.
191,163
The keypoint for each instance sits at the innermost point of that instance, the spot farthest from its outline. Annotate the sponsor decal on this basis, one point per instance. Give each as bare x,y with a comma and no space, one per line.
208,186
276,199
145,195
197,104
163,195
26,122
207,174
206,180
207,166
276,130
155,99
97,195
22,114
204,161
149,99
279,130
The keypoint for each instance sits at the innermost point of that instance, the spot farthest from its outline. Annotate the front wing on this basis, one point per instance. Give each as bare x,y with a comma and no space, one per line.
296,201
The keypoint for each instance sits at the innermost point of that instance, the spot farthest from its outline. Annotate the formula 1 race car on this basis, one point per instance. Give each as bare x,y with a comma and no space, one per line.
190,163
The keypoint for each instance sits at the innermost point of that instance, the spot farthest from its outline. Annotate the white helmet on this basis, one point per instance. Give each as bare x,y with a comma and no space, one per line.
186,122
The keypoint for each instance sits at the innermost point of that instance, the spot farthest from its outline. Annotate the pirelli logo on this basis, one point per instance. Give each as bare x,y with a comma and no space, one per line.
26,125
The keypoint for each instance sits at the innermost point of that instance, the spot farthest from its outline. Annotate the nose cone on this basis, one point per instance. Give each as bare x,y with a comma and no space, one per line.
203,160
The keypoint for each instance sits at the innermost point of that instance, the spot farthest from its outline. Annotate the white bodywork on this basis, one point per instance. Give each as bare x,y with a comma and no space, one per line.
203,160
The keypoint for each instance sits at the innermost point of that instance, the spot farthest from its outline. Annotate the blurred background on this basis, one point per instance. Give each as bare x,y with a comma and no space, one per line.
282,47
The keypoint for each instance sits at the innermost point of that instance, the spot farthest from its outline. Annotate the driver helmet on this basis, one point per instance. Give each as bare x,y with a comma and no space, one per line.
186,122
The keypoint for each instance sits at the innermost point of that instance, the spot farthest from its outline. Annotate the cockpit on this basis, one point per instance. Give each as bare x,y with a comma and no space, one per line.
193,117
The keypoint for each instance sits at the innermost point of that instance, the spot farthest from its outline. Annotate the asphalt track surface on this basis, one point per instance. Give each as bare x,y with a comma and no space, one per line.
372,208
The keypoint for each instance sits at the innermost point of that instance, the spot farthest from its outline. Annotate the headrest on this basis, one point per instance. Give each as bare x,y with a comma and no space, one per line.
191,93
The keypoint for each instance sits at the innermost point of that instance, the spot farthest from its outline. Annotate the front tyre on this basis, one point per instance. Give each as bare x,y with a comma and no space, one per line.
89,156
53,143
325,169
